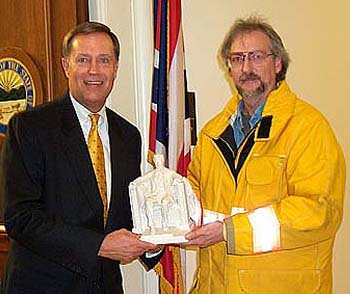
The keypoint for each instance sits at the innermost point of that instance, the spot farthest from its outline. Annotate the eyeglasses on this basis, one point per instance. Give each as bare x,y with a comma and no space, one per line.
256,58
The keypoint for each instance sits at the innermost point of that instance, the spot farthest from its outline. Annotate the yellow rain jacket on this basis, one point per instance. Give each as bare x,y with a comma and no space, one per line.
282,191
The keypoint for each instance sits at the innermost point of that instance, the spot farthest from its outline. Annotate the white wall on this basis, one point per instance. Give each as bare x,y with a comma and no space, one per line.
316,34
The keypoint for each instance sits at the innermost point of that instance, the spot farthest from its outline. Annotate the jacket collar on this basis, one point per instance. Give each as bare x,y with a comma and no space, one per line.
279,107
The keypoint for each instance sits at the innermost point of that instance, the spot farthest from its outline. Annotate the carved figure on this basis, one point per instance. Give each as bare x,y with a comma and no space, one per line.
163,203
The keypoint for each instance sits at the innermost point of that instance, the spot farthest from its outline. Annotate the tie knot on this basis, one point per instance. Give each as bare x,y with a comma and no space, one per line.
94,118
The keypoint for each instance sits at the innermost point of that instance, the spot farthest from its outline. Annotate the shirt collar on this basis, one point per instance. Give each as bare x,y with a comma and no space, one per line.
83,113
237,116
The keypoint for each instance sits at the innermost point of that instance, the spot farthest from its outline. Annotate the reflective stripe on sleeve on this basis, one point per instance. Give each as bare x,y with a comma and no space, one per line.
266,229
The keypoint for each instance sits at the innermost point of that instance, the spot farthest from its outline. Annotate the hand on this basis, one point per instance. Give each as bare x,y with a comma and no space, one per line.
206,235
124,245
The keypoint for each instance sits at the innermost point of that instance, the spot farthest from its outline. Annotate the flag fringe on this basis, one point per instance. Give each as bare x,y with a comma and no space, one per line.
165,285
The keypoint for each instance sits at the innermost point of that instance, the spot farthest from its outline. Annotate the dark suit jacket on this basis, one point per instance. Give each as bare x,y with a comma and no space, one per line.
52,209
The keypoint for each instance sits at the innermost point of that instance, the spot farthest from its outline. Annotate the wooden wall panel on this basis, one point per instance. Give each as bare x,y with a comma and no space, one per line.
38,27
22,24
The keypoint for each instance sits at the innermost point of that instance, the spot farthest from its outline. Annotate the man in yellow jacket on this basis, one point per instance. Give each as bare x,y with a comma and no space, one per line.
270,176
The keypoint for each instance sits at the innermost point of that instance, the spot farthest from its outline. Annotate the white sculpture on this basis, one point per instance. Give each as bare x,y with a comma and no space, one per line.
164,207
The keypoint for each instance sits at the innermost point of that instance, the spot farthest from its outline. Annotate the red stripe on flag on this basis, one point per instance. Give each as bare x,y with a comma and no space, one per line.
152,132
183,163
174,25
168,266
159,15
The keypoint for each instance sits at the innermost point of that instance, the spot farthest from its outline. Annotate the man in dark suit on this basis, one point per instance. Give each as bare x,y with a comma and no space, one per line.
51,195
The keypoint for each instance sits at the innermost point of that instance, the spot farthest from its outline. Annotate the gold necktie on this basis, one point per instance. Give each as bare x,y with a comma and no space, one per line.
98,161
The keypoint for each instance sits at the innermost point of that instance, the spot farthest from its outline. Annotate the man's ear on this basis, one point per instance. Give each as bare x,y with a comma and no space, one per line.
65,66
278,65
116,69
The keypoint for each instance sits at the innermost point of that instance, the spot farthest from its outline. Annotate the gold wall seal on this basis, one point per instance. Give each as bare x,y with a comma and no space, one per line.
20,84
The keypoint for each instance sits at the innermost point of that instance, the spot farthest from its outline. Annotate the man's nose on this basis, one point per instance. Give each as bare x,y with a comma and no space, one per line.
93,68
246,65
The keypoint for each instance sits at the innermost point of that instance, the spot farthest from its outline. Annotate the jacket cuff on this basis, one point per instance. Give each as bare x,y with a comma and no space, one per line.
229,235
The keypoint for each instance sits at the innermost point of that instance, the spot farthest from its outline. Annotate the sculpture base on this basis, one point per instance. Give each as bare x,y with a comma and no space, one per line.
164,239
161,236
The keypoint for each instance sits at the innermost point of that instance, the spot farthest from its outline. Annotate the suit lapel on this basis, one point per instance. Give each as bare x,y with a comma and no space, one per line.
122,171
116,151
77,154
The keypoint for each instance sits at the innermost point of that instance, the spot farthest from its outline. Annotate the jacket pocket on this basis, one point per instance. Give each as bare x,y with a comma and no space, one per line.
264,180
279,281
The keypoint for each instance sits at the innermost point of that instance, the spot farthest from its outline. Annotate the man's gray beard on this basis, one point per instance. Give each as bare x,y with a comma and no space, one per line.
252,94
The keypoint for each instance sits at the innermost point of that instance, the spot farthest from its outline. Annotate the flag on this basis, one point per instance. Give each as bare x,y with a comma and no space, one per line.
170,130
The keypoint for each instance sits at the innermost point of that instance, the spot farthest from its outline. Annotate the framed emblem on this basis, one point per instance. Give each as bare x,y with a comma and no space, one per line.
20,85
